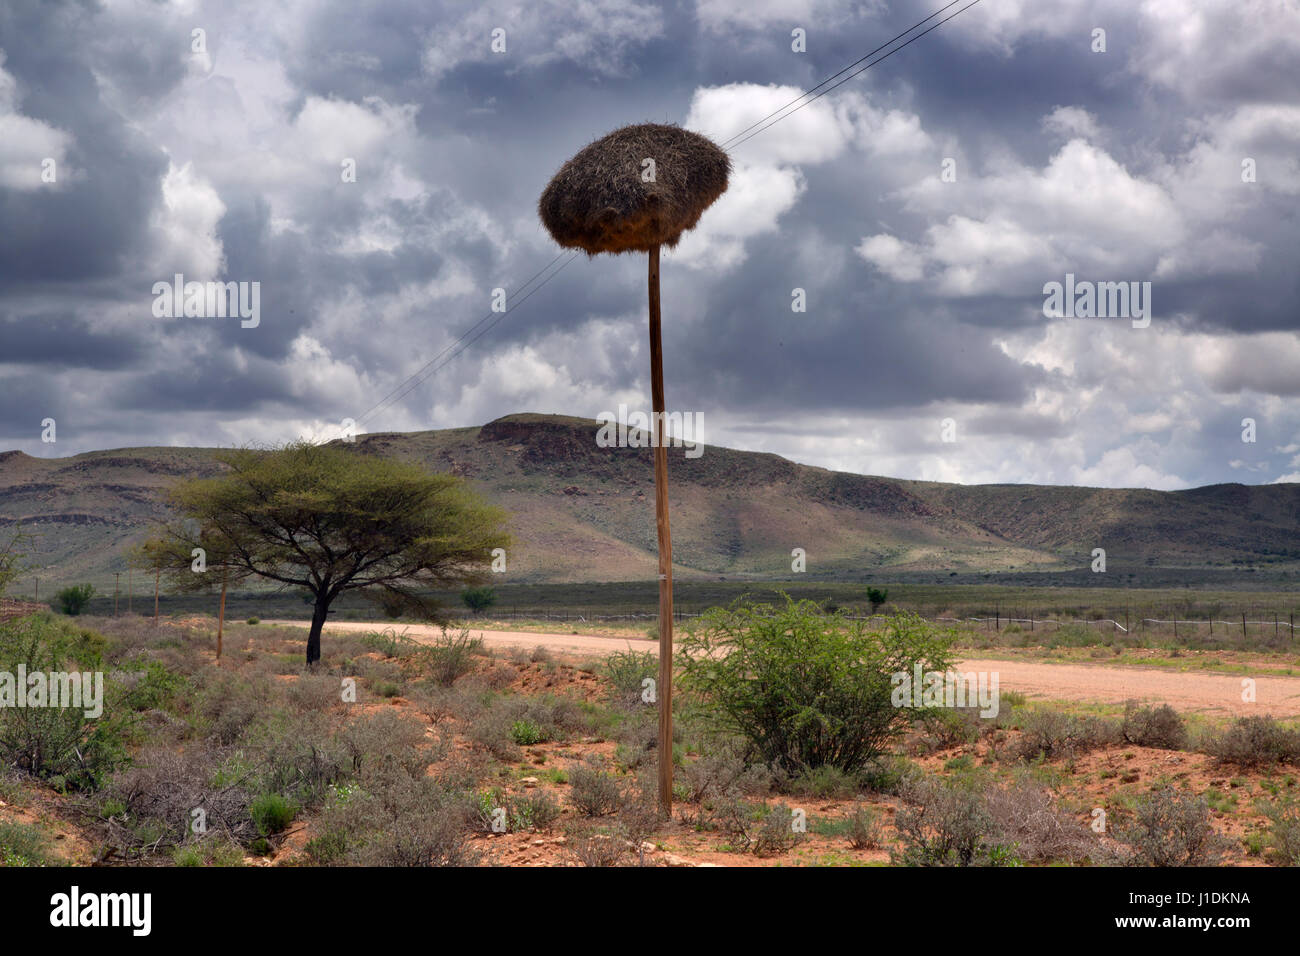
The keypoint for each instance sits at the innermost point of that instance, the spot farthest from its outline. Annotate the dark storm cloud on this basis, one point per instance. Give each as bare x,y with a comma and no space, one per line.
64,340
382,280
90,226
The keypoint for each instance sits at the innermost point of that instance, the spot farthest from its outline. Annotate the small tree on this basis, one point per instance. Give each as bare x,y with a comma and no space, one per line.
804,688
11,557
478,600
877,597
331,519
73,600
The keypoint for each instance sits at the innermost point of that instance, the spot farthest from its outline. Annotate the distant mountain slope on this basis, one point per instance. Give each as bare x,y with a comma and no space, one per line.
585,513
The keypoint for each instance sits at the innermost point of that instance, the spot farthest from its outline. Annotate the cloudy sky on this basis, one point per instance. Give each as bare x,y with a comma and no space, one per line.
922,207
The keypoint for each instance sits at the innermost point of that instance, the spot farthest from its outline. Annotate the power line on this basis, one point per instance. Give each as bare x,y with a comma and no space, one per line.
833,76
429,368
385,400
855,73
426,372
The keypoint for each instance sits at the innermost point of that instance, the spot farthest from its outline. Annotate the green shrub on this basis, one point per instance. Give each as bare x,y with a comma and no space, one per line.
73,600
272,813
534,811
824,782
626,671
153,687
60,744
525,733
803,688
478,600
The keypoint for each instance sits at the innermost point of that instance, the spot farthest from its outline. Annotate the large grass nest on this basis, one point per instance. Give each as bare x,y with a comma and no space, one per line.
598,201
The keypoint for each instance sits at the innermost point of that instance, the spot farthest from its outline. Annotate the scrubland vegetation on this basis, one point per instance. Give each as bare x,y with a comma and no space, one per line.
788,750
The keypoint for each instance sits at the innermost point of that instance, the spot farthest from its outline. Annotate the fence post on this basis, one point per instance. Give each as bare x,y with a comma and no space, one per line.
1243,626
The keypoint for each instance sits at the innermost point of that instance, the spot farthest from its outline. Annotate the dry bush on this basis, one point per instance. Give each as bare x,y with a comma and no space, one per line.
440,703
948,823
315,691
395,820
1160,727
491,731
593,847
299,756
639,820
775,833
1024,816
150,807
864,827
1171,829
1284,829
1256,742
230,703
385,739
449,656
594,793
1052,734
943,728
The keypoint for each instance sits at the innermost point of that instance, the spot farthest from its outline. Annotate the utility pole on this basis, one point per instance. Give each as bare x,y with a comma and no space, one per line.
665,689
117,579
221,616
129,587
156,575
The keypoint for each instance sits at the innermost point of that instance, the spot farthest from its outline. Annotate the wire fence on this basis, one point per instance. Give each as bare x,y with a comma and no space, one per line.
1279,624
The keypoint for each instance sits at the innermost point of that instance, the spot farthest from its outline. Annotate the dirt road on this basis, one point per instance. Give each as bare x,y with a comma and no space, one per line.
1207,693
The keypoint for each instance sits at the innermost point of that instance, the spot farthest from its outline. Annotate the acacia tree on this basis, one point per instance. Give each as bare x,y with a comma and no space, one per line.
330,519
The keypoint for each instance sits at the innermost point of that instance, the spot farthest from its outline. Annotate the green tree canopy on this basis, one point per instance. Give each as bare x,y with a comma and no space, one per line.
11,555
330,519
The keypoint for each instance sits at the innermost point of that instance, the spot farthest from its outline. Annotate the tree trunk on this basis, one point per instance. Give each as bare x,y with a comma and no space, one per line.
317,625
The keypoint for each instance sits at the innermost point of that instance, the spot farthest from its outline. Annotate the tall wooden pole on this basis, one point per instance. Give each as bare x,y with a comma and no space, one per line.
665,689
221,616
117,578
156,575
